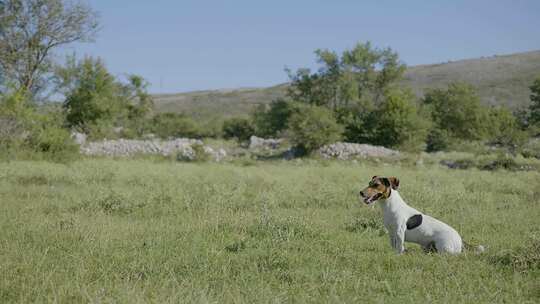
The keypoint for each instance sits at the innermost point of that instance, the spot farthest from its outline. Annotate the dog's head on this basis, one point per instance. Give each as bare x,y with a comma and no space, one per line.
378,188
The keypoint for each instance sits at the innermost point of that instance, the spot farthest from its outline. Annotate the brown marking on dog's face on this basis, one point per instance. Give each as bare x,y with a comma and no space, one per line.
379,187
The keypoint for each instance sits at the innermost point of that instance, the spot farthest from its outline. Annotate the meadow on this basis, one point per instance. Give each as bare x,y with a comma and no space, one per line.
138,231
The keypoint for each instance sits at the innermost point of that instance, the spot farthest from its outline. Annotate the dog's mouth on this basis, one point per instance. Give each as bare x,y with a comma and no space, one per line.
371,199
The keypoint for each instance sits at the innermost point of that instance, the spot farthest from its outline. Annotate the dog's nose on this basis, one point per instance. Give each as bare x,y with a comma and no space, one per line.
361,193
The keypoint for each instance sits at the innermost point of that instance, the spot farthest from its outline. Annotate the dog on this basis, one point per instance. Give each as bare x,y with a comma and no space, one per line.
406,224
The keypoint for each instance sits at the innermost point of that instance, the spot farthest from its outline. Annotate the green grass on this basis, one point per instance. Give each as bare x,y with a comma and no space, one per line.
147,231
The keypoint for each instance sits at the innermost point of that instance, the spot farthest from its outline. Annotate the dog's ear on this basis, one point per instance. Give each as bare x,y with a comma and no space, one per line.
394,182
385,181
374,177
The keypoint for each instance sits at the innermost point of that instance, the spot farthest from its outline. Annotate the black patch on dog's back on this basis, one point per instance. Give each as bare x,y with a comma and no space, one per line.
414,221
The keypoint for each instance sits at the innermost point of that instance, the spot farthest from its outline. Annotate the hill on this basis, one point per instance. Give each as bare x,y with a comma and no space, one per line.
500,80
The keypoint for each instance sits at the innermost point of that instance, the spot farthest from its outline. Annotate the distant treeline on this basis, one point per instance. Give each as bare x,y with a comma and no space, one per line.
353,97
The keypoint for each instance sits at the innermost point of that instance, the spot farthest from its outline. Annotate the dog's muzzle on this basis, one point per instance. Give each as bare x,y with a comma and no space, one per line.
370,199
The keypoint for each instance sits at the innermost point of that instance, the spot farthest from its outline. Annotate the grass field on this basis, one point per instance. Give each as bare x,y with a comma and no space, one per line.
134,231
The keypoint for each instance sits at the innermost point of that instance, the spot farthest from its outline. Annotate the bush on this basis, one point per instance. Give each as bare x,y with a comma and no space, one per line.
166,125
398,123
199,154
92,93
534,118
239,128
438,140
25,133
504,128
311,127
458,111
270,120
531,149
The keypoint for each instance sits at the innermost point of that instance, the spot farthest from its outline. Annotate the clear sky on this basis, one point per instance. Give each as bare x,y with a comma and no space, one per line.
185,45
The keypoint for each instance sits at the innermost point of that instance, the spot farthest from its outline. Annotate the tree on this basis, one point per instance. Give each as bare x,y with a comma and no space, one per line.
311,127
270,120
458,111
239,128
534,117
91,93
30,30
167,125
504,128
362,74
398,122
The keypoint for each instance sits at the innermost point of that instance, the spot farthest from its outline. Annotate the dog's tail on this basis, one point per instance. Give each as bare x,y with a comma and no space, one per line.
477,248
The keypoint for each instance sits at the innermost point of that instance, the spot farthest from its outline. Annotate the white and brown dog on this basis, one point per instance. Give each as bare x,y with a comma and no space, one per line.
405,223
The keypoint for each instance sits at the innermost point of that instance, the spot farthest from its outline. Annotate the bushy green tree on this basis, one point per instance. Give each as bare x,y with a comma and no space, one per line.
457,110
352,85
91,94
398,122
534,118
311,127
504,128
30,32
96,102
239,128
360,75
27,133
139,105
270,120
167,125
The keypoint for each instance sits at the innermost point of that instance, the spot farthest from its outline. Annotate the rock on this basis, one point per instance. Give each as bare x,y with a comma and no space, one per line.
262,143
78,137
343,150
181,147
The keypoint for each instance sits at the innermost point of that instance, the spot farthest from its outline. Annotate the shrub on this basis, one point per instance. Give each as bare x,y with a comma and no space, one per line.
504,128
534,118
167,125
199,154
458,111
239,128
438,140
92,93
25,133
531,149
270,120
398,122
49,139
312,127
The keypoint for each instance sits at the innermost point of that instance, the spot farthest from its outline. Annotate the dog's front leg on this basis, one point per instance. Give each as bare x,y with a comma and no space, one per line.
397,239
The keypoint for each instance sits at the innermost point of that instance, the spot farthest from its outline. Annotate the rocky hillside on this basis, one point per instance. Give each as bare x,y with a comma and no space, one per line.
499,80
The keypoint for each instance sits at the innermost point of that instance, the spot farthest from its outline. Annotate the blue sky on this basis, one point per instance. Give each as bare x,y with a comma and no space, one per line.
195,45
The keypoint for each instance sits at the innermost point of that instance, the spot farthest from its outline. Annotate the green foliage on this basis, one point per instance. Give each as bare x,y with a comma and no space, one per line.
270,120
139,105
91,93
439,140
53,142
504,128
531,148
534,118
239,128
360,75
166,125
25,133
96,102
200,153
30,32
457,114
311,127
398,122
